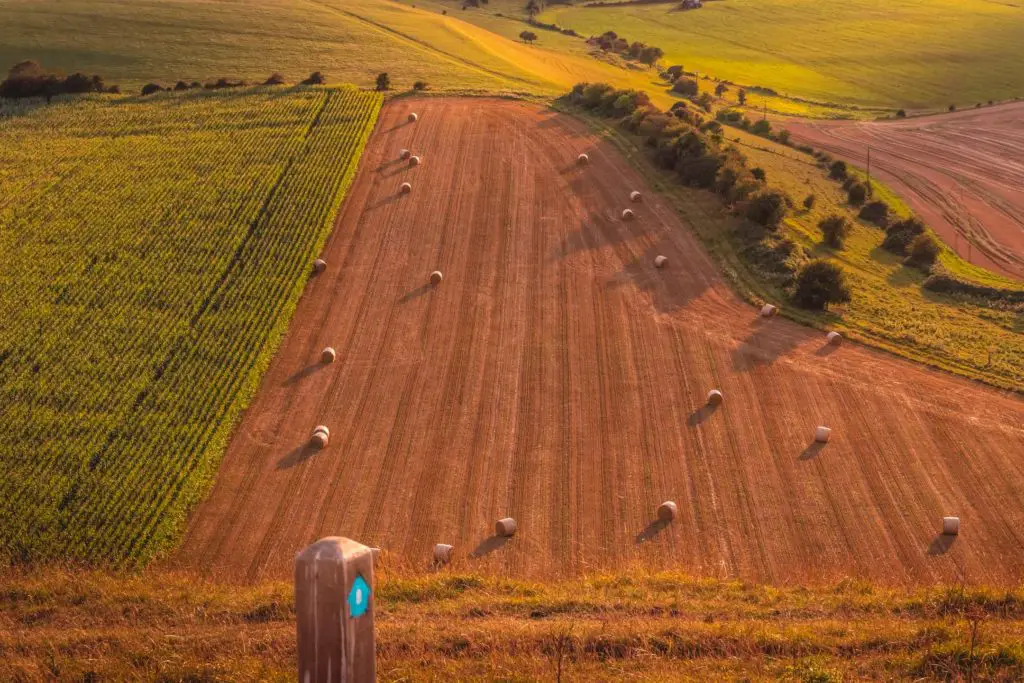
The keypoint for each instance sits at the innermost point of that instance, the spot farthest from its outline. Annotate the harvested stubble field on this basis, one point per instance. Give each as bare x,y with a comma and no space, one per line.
557,377
962,172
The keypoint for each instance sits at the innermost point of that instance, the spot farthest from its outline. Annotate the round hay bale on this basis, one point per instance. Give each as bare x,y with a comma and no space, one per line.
768,311
822,434
834,338
714,397
414,117
436,277
414,161
319,440
322,429
627,214
443,553
582,159
660,261
404,154
667,511
951,526
406,188
319,265
505,527
328,355
635,196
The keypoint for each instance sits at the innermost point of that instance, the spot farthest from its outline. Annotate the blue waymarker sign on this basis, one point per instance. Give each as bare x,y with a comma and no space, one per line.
359,597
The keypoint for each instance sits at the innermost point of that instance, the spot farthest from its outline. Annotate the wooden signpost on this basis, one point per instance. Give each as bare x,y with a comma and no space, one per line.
334,612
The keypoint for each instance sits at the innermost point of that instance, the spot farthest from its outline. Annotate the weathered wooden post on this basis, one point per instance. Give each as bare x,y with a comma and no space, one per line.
334,612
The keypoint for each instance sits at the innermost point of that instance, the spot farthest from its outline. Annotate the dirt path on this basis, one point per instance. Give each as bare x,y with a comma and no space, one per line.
962,172
557,377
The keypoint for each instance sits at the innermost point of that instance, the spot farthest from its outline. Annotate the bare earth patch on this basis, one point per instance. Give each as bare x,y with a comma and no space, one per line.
556,376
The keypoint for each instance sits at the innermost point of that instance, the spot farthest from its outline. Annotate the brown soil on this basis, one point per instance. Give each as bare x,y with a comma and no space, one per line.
963,173
557,377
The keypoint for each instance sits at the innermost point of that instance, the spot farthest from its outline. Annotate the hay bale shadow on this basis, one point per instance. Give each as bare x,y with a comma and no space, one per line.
395,127
701,414
390,199
812,451
826,350
388,164
297,456
414,294
489,545
303,374
651,530
941,544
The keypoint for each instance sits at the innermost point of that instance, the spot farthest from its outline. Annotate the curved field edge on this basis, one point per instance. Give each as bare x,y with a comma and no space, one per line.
83,502
713,225
663,626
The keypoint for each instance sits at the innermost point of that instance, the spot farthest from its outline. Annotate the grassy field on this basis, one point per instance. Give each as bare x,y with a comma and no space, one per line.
901,53
133,42
151,253
464,627
889,309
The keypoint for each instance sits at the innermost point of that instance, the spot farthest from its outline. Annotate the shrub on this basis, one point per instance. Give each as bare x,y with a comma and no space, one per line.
809,201
857,193
783,137
315,78
383,81
674,71
742,96
901,114
758,173
837,171
151,88
721,89
819,284
528,36
761,127
875,212
767,209
923,252
699,171
900,234
685,86
420,85
275,79
952,107
181,85
836,229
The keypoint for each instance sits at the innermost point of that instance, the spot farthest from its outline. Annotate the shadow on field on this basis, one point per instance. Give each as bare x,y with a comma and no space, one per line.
701,414
812,451
297,456
489,545
390,199
388,164
395,171
941,544
395,127
651,530
302,374
414,294
762,347
826,350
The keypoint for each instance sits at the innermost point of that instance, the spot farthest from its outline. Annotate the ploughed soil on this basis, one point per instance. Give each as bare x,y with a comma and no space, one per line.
963,173
557,377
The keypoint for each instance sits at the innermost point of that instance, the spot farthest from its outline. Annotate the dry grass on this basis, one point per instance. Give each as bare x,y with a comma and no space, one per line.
74,625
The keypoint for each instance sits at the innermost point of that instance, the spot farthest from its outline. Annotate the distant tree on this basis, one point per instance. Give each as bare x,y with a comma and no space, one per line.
685,86
857,193
383,81
420,85
761,127
923,252
952,107
819,284
742,96
721,89
837,171
835,228
767,209
899,235
901,114
876,212
315,78
783,136
275,79
649,55
674,71
809,201
151,88
181,85
528,36
758,173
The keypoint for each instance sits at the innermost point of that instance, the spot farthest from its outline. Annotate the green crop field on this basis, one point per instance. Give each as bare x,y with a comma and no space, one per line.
151,253
896,53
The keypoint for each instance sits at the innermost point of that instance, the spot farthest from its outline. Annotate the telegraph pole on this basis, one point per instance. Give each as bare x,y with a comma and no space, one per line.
870,192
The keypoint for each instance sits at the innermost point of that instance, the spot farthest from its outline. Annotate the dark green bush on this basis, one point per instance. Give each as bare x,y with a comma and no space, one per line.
767,209
900,234
857,193
836,229
819,284
876,212
837,171
924,249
